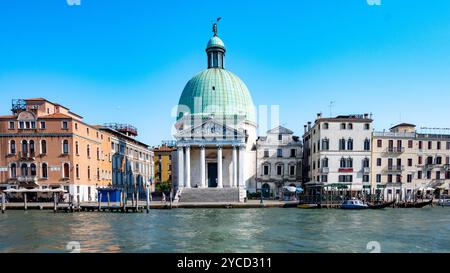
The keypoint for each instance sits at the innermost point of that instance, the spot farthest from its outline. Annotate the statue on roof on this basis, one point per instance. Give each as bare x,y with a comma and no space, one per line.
215,26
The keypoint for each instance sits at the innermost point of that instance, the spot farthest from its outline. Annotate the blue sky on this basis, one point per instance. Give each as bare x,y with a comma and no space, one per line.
128,61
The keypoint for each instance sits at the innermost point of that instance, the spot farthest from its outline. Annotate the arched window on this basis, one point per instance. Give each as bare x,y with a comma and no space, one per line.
325,162
12,147
31,146
366,163
342,144
66,170
343,163
76,148
65,146
44,170
77,171
350,145
43,146
24,169
24,146
349,163
98,153
33,169
350,126
367,145
13,170
89,172
88,151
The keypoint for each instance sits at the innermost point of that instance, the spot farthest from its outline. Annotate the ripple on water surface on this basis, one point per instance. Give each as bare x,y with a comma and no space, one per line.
229,230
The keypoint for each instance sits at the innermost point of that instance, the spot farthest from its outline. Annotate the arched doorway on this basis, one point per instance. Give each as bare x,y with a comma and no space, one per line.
265,190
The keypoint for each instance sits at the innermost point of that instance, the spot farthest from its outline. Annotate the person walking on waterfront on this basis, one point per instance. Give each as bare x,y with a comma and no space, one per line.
163,197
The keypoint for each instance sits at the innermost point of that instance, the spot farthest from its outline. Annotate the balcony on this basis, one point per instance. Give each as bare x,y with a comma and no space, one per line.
27,155
27,179
436,183
345,170
394,169
395,150
366,170
325,170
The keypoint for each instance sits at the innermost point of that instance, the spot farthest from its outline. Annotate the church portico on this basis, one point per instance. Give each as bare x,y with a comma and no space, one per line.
211,165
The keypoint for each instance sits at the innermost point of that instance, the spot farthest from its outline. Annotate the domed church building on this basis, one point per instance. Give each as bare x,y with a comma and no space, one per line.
216,133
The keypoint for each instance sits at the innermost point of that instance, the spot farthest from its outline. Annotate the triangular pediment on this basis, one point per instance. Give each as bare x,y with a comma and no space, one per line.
210,129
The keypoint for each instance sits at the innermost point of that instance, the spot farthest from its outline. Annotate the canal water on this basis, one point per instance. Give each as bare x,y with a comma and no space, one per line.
229,230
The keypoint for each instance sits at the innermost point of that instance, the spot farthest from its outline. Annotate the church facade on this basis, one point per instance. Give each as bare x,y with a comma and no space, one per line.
215,133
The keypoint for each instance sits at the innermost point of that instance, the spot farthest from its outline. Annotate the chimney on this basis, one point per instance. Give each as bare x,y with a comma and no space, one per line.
309,125
366,116
319,115
305,127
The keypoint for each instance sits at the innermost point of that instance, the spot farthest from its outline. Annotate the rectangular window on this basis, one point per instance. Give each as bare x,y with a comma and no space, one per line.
439,145
11,125
389,180
448,145
266,153
365,178
293,153
42,124
266,170
409,178
367,126
420,160
324,178
292,170
379,143
65,125
280,137
378,162
21,125
378,178
430,145
420,145
410,144
279,170
279,153
410,162
419,175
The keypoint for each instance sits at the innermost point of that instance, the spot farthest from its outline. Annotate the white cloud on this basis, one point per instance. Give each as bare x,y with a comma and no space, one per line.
374,2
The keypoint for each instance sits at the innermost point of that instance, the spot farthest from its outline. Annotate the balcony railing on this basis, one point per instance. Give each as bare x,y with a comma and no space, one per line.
325,170
394,169
27,155
27,178
395,150
366,170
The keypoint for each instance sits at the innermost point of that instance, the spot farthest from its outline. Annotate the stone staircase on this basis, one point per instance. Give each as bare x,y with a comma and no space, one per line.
211,195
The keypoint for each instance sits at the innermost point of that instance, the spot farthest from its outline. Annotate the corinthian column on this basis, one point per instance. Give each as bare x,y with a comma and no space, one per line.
188,167
241,166
219,167
202,167
180,166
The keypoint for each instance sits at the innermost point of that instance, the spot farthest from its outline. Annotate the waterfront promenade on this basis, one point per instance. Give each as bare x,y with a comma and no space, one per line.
116,206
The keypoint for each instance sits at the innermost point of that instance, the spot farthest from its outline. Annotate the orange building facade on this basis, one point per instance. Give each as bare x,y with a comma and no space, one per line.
45,145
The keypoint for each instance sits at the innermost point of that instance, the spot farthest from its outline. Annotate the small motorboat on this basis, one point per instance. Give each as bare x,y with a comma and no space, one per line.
354,204
444,202
382,205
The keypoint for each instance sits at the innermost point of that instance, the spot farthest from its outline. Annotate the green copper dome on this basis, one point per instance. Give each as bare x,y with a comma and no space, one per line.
215,42
216,91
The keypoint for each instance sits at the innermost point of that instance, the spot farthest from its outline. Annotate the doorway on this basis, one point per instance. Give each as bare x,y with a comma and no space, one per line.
212,175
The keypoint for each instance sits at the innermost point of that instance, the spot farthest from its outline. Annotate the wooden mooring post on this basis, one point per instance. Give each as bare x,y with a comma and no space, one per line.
100,202
25,205
3,203
109,202
137,200
147,199
55,204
